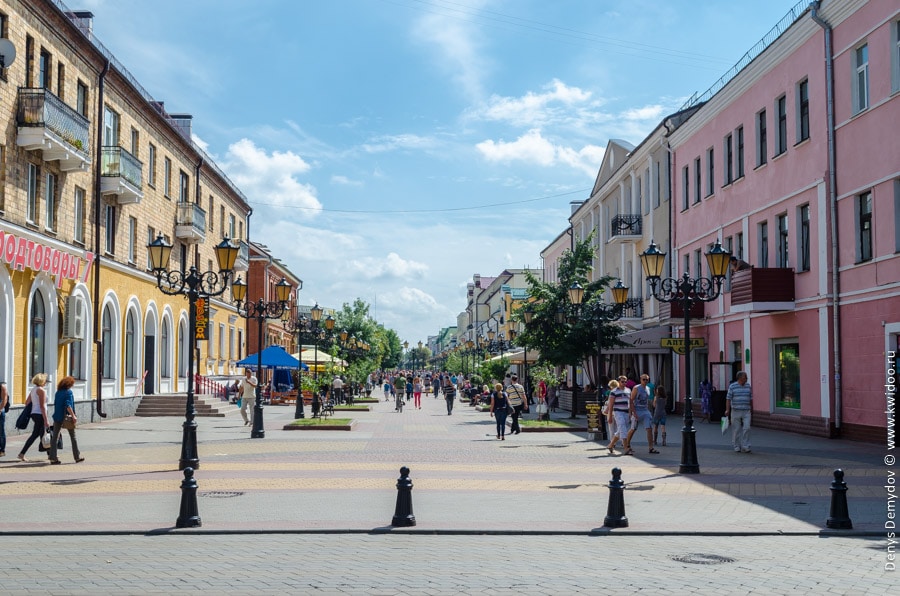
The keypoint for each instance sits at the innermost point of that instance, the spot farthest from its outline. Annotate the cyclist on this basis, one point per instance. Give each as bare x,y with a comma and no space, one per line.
399,389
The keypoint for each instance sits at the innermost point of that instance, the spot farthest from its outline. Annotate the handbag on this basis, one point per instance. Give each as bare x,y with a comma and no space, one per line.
68,422
45,441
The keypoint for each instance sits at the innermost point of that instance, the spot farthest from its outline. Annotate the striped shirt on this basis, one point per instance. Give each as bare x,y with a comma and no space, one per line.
739,396
516,394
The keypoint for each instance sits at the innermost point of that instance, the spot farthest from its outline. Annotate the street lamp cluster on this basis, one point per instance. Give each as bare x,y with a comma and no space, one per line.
312,329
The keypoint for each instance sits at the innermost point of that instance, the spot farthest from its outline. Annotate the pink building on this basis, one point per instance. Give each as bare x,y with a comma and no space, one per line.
816,321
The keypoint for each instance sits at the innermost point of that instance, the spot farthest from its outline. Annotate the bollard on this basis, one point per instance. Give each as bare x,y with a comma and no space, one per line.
403,512
189,516
615,511
839,517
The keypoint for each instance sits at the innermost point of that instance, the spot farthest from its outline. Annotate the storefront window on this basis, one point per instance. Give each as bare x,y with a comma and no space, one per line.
37,335
787,377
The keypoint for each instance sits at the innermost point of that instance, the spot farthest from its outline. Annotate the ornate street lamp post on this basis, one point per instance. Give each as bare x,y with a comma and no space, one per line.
600,313
686,292
307,329
260,310
194,285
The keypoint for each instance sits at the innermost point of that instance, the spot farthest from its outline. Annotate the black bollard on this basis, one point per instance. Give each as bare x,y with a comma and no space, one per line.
189,516
615,511
403,512
839,517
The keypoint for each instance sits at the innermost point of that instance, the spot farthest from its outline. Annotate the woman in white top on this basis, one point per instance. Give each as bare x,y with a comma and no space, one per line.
37,401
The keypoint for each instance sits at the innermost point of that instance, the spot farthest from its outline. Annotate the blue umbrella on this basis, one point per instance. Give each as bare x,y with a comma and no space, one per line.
272,357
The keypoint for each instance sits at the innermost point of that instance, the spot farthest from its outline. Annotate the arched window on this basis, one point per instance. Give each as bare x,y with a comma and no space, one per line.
130,347
76,359
38,332
182,351
107,339
165,351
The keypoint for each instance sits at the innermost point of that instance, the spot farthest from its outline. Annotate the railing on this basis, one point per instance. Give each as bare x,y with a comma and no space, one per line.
40,108
633,309
190,214
116,161
629,225
206,386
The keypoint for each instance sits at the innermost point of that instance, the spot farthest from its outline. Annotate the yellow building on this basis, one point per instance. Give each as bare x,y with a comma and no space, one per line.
92,169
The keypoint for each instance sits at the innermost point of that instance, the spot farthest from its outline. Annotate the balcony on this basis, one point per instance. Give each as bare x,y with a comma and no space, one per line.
675,312
190,223
120,175
45,122
626,228
633,309
242,263
765,289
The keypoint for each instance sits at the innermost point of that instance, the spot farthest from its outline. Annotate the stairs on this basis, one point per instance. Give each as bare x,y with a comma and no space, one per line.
174,404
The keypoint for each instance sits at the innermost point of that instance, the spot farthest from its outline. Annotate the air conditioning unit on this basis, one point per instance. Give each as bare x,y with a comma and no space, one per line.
74,319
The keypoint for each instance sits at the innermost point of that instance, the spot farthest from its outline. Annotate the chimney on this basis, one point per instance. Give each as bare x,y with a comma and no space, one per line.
575,205
477,278
183,123
84,20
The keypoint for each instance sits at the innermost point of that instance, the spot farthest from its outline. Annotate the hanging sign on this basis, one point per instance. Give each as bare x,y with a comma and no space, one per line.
202,319
677,343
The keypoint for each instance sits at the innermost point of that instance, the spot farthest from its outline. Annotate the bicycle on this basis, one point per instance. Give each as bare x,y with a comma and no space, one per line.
399,406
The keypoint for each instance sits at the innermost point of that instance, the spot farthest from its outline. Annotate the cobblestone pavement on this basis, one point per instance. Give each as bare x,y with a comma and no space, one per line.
427,564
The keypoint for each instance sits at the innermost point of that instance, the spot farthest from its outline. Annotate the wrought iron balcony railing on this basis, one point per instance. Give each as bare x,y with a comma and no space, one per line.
39,108
626,225
190,222
116,161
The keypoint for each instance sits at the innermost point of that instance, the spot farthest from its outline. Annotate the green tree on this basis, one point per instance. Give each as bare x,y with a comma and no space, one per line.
494,370
562,337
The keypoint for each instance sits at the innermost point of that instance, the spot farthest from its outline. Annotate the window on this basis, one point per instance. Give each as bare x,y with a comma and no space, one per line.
50,202
897,215
222,221
132,240
761,151
110,229
231,226
231,343
130,347
4,33
803,110
861,82
61,80
658,180
895,56
687,264
222,341
151,165
184,187
79,215
803,252
240,235
110,127
240,346
29,61
698,270
81,100
2,178
686,187
864,227
697,182
44,70
106,334
210,213
781,113
151,236
739,245
787,373
167,177
182,350
781,256
710,172
135,141
728,153
38,322
739,162
764,244
165,350
76,359
31,207
729,246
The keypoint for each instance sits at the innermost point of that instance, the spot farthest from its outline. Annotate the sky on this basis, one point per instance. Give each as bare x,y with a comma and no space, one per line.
391,149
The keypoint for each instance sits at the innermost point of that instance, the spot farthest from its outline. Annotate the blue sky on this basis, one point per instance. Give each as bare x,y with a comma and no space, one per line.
393,148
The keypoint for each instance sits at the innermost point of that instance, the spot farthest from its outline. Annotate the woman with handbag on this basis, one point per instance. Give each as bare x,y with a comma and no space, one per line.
64,418
500,409
37,405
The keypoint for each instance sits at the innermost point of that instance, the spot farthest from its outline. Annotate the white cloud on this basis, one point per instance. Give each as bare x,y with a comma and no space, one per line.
271,179
344,181
459,50
534,148
393,142
393,266
534,109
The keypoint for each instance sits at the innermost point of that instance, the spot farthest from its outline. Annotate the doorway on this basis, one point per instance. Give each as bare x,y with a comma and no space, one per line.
149,365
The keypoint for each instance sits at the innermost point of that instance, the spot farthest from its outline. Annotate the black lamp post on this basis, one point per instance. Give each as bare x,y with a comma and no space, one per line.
686,292
307,329
599,314
260,310
194,285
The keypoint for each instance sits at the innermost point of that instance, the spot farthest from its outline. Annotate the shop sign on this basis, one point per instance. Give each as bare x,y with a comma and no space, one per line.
677,343
22,253
202,318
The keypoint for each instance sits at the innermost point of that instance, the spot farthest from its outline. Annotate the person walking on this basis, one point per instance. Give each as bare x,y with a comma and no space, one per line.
738,407
640,410
399,389
660,400
387,389
705,400
37,402
436,385
417,393
449,390
618,415
500,409
248,395
4,408
516,395
337,390
64,417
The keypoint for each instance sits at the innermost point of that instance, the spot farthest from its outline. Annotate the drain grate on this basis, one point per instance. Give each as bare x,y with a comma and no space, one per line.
221,494
702,559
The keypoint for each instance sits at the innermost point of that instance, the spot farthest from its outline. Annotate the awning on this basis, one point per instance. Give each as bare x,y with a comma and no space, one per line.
642,341
518,357
309,356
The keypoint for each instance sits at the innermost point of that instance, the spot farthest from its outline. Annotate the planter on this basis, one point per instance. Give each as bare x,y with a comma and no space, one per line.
325,425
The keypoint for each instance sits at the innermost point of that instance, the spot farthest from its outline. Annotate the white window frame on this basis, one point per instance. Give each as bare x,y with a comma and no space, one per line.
78,208
799,110
132,240
51,182
860,90
31,212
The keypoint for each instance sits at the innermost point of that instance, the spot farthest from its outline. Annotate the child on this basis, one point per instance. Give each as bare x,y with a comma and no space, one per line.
659,414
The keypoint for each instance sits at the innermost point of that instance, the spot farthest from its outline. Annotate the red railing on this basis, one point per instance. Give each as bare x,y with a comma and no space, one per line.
206,386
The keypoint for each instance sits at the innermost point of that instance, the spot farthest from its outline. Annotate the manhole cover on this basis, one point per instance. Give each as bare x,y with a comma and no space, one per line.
221,494
702,559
